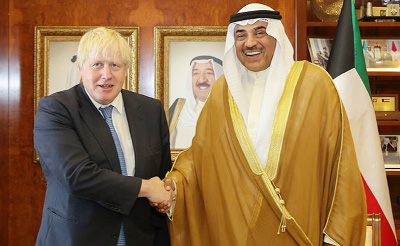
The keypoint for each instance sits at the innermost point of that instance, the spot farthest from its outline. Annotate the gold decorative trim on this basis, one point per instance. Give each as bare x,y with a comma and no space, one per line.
278,130
251,155
280,120
256,210
340,158
341,147
243,137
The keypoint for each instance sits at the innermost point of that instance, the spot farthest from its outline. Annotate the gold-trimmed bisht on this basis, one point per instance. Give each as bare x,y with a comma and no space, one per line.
279,127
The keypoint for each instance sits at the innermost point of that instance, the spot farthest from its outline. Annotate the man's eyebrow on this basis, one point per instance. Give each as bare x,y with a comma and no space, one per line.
259,27
255,29
197,69
240,30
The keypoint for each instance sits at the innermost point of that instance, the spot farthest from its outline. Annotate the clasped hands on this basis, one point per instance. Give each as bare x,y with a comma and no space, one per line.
162,194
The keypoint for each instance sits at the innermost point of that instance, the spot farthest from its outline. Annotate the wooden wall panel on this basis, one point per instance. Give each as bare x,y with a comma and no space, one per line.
301,29
20,208
3,122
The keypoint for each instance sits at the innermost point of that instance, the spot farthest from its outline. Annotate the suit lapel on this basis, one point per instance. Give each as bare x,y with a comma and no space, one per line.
98,126
135,122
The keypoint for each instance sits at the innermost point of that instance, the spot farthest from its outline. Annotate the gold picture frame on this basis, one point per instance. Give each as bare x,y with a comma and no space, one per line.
52,56
174,47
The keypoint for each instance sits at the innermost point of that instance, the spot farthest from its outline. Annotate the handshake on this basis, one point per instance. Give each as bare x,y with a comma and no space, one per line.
160,193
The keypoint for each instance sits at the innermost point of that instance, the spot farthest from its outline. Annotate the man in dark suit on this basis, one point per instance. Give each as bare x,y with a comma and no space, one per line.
102,169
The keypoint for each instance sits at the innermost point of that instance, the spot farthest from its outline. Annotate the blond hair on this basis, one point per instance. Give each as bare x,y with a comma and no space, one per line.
105,41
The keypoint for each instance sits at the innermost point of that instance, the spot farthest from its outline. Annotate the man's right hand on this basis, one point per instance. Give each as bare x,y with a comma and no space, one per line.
154,190
164,206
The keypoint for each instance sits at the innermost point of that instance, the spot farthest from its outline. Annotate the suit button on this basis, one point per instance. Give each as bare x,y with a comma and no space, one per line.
114,235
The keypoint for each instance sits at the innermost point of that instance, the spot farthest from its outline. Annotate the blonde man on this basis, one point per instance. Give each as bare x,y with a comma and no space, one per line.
99,146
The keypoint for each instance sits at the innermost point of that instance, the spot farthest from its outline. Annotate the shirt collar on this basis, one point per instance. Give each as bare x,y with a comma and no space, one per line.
117,102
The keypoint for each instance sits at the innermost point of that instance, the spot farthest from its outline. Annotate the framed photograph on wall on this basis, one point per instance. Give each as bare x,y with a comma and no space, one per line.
319,49
55,55
382,55
390,151
188,60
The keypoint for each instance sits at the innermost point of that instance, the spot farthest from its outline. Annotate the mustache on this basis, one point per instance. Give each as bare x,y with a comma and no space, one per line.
253,49
203,84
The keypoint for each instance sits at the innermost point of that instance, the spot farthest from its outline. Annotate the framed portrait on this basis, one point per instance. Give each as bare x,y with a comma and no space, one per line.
319,49
390,151
188,60
381,55
55,55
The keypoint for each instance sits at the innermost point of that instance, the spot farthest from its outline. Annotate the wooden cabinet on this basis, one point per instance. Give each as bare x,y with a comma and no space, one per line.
307,25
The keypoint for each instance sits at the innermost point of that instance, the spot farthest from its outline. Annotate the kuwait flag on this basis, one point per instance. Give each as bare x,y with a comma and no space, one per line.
347,68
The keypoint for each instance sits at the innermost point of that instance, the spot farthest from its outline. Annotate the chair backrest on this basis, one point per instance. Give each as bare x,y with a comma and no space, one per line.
373,230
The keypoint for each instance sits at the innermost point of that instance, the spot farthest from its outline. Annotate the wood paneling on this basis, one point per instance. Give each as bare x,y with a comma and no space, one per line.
22,189
300,29
3,122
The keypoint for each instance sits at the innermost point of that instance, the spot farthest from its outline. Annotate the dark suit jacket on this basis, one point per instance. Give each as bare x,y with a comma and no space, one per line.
87,198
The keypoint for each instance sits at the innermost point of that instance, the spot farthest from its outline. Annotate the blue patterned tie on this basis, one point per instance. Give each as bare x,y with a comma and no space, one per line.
107,113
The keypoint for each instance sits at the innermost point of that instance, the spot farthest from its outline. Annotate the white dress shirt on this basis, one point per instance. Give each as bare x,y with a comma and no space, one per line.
121,126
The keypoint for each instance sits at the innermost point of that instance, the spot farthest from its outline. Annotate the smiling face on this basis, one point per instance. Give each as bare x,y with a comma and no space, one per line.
203,78
254,47
103,77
